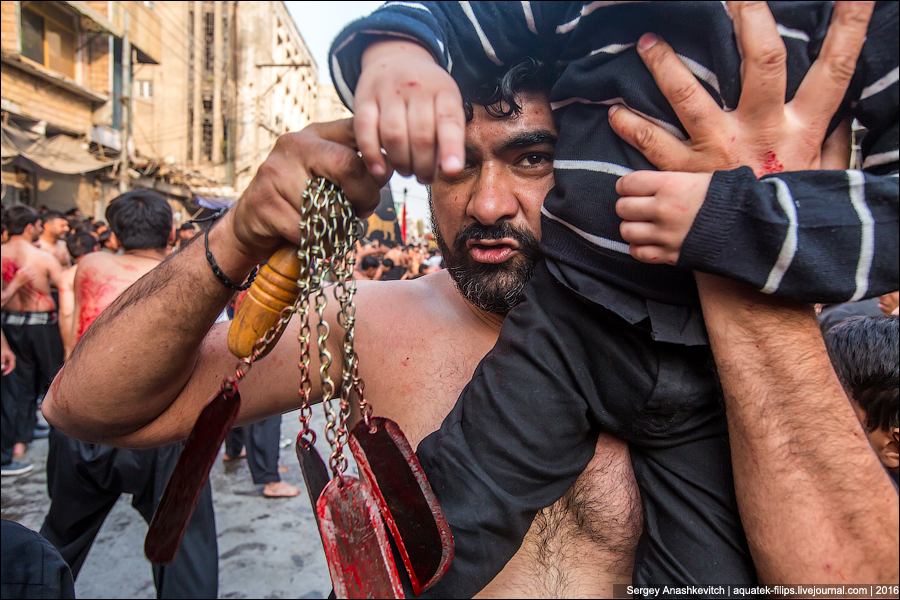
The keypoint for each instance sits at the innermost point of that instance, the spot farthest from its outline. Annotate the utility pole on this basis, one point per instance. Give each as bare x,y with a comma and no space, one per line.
403,218
127,106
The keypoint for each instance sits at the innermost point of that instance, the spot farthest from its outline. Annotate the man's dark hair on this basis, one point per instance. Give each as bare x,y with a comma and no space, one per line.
368,262
141,220
20,217
499,99
72,212
865,355
97,225
51,215
187,227
81,243
104,237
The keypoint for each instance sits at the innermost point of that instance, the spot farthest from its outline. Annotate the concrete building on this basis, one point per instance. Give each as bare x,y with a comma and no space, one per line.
65,119
198,101
329,106
233,77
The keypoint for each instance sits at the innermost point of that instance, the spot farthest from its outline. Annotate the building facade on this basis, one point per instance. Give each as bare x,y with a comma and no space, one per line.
187,98
63,77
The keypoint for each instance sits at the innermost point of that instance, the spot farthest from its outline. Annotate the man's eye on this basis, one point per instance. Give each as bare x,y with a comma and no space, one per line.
533,160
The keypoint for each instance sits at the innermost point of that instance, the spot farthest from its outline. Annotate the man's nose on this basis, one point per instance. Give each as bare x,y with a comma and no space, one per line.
493,198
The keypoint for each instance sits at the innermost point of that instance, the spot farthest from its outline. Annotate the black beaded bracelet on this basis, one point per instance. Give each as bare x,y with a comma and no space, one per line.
215,268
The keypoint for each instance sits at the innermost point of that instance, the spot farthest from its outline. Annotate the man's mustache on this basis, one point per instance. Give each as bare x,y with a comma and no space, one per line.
477,231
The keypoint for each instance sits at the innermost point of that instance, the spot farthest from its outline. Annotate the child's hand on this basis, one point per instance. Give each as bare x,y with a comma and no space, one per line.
763,132
658,209
410,106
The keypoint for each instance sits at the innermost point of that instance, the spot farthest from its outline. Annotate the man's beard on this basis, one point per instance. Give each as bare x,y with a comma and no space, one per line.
494,288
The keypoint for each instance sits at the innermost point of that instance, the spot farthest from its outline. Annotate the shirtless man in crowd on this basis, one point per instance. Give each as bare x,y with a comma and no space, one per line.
85,480
79,245
29,319
53,238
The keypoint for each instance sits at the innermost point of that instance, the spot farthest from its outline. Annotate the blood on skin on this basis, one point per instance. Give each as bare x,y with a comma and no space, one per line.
771,164
94,297
10,268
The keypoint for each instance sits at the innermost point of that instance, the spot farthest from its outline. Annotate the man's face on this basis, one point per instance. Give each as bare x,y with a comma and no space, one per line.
487,219
36,230
58,227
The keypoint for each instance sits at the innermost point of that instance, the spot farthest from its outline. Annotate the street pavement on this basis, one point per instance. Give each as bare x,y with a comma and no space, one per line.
268,548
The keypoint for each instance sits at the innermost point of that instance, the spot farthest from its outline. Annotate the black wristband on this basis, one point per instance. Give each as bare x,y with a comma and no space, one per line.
215,268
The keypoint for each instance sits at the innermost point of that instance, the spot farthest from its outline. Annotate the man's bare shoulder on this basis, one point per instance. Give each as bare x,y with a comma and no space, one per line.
423,299
96,260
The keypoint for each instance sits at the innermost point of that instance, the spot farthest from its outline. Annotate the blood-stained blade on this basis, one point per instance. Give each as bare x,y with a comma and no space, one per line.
190,475
315,473
388,463
355,542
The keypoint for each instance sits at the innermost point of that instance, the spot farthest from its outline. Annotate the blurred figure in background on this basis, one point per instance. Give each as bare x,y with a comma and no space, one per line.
53,238
865,355
84,481
79,245
30,320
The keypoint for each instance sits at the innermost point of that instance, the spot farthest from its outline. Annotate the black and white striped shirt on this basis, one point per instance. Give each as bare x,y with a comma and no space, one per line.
817,236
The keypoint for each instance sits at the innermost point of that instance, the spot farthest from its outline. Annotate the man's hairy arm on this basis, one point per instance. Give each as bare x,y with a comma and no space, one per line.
139,354
815,501
146,367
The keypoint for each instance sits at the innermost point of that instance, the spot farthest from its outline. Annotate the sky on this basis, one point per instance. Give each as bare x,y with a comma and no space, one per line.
319,23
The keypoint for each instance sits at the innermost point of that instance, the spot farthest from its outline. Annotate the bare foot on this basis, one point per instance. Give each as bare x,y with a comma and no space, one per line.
19,450
280,489
229,458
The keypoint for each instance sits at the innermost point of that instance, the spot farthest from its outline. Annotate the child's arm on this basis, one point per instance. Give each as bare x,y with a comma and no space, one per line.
393,70
808,235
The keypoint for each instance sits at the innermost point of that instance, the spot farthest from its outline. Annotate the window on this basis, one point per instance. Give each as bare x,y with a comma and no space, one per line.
48,38
143,89
209,43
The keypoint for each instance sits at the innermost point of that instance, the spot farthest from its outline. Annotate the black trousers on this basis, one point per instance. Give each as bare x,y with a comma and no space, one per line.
262,442
85,481
526,426
9,411
39,355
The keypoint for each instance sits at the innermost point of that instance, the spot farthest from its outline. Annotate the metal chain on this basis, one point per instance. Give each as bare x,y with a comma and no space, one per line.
338,232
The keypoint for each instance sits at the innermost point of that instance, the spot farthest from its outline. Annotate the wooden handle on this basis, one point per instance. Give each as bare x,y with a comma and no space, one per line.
274,288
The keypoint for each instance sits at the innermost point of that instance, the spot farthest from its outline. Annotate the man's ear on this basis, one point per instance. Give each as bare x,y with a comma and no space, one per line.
172,236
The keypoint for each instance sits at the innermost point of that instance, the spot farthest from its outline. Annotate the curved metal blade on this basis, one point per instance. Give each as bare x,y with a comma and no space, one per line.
191,472
315,473
355,542
389,465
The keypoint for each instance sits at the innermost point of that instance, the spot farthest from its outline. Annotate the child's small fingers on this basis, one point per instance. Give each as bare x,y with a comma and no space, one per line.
450,123
365,126
394,134
423,139
656,255
640,233
637,208
665,151
640,183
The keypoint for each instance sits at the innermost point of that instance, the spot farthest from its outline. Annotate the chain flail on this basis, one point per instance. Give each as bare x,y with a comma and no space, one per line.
327,227
304,283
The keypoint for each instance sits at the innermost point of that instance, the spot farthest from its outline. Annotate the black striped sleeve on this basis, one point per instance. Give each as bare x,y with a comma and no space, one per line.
474,41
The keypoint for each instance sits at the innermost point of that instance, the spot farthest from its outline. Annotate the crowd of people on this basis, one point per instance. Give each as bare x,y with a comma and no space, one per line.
392,261
596,394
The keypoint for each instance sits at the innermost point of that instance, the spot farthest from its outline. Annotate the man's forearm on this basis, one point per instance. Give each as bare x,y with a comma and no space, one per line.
815,501
135,359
